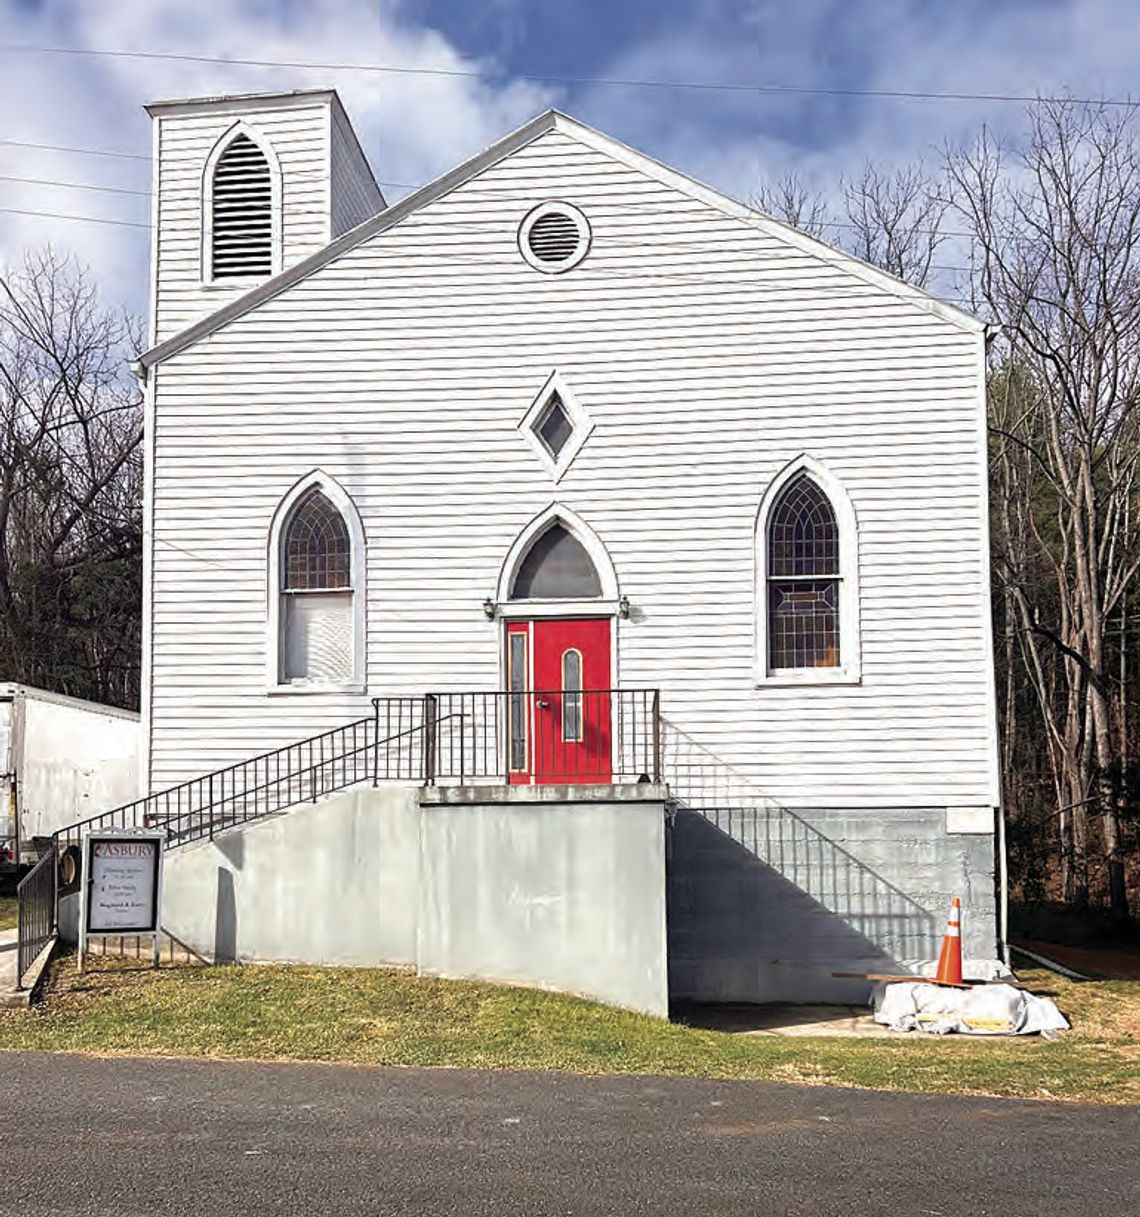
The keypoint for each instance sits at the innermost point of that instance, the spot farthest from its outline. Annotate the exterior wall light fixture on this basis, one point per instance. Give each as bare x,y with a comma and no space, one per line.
489,609
623,608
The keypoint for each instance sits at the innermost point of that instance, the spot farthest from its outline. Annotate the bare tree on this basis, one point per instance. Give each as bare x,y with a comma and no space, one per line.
1057,230
792,200
895,220
70,488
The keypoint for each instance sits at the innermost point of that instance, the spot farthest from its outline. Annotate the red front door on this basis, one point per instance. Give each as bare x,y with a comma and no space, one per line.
558,677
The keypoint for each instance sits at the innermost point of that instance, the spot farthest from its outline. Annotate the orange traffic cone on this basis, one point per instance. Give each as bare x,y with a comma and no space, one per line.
950,959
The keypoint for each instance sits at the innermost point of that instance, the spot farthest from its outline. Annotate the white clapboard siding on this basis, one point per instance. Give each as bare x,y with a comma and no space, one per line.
355,195
326,187
708,354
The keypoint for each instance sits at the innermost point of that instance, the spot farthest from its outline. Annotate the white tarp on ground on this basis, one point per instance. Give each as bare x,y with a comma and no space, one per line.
982,1010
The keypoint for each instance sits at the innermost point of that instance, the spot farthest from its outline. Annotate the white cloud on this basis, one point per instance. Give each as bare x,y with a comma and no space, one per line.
1085,47
412,127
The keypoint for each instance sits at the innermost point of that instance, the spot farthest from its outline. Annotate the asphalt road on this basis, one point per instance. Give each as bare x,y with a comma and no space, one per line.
120,1137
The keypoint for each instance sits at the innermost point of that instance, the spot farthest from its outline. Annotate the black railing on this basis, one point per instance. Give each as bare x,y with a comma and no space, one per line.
383,747
595,735
592,735
36,902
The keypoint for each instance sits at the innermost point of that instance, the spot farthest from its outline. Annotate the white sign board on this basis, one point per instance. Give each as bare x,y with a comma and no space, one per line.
122,885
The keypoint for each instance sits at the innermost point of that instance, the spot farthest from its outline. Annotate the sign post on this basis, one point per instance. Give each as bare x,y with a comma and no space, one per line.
121,887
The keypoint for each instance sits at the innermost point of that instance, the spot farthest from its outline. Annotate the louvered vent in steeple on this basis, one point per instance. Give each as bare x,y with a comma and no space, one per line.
242,220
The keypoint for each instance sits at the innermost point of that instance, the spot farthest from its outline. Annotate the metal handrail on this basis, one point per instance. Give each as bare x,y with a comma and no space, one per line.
36,901
267,783
439,736
249,790
551,735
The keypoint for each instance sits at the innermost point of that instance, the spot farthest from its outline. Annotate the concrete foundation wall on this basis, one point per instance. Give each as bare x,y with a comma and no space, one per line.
568,896
332,883
764,905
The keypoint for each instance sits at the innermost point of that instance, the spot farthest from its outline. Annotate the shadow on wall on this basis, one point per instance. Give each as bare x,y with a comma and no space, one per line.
754,887
232,848
829,875
225,919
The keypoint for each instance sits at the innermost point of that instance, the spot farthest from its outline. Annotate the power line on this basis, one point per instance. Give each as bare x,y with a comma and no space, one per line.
689,247
686,278
135,156
22,143
468,73
55,215
944,232
39,181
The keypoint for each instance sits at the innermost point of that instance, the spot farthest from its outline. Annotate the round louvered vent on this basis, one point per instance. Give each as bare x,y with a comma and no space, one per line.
554,237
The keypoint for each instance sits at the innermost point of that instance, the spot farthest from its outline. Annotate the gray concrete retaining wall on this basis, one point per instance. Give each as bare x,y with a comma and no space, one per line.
567,890
764,904
568,896
332,883
564,895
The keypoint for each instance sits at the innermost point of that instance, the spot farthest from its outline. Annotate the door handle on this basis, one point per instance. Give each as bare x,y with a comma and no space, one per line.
543,704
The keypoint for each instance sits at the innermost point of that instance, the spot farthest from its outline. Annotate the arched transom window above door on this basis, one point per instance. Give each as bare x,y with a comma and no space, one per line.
556,567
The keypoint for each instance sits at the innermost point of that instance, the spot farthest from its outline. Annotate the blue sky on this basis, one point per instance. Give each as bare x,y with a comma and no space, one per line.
414,127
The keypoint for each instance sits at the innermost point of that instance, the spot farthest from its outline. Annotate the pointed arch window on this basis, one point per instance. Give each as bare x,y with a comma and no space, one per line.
804,573
556,567
240,209
318,609
318,555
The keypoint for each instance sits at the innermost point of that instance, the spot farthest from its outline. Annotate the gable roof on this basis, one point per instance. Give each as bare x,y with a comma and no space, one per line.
553,120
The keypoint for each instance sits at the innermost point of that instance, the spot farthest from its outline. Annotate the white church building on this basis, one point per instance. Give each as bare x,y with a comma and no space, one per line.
643,537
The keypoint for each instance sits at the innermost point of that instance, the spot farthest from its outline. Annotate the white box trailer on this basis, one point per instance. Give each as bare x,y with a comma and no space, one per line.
61,760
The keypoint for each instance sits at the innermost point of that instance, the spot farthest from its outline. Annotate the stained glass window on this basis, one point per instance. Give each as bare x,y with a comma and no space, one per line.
803,579
317,549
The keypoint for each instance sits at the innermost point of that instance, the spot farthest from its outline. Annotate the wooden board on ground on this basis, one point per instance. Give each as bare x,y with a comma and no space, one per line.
894,977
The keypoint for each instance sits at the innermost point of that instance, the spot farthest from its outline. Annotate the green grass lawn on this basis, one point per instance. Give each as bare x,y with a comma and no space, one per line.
387,1017
7,912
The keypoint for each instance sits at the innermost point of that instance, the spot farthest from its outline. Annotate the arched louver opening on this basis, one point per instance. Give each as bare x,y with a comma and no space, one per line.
242,212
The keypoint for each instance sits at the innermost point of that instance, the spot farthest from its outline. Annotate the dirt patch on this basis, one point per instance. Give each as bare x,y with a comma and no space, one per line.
1098,963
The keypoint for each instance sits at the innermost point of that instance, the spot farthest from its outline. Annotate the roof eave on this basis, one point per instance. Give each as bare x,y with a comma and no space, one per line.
239,101
809,244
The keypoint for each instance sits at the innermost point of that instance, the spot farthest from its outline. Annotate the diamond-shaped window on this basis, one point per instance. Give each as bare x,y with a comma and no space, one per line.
556,426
